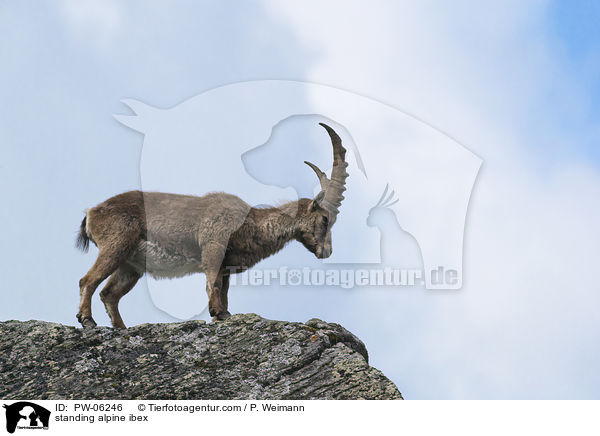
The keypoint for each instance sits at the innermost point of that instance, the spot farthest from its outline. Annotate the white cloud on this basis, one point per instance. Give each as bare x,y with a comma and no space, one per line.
97,22
525,320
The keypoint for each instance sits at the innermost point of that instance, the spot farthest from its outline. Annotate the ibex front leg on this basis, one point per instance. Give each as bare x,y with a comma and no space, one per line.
212,258
224,289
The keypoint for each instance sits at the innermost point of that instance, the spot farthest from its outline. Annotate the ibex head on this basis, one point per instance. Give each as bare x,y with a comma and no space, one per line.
320,213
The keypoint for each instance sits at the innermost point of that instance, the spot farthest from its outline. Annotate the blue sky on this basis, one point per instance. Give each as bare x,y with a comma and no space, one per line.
575,27
518,84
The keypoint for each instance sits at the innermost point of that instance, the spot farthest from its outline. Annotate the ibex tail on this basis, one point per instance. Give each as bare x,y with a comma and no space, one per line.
83,240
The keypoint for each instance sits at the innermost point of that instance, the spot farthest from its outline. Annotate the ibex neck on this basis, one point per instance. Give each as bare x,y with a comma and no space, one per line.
264,233
275,226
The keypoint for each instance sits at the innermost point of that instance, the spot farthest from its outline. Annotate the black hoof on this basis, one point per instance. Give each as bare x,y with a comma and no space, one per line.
221,316
88,322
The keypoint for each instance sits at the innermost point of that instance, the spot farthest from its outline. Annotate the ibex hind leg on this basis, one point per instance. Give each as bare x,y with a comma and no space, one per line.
107,263
119,284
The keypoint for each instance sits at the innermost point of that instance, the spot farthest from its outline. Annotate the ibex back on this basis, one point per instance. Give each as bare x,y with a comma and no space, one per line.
171,235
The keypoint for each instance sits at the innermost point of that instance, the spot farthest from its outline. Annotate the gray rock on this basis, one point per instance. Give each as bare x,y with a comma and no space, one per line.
245,357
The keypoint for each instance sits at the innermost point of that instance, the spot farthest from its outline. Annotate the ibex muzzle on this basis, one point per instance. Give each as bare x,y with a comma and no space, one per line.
171,235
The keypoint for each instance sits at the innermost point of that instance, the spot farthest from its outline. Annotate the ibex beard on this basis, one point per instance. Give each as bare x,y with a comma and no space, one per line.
218,234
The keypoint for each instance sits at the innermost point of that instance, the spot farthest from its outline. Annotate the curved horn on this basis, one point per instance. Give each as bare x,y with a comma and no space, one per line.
333,197
320,174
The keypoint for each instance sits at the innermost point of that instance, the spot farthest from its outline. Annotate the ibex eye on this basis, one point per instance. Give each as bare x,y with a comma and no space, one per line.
325,220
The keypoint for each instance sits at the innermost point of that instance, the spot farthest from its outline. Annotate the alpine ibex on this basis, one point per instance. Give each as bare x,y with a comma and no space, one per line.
171,235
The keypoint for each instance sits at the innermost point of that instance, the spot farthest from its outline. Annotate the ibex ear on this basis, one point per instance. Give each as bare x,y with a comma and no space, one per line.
316,201
145,115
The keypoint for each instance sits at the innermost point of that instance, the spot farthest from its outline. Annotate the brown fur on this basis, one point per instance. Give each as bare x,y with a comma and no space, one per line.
230,238
171,235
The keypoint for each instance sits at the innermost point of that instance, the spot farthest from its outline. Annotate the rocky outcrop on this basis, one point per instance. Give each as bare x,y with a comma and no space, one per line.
245,357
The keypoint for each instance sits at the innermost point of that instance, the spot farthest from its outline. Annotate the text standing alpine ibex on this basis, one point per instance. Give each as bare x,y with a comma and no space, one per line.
170,235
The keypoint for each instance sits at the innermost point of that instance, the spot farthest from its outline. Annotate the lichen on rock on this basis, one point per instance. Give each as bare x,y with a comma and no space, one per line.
245,357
